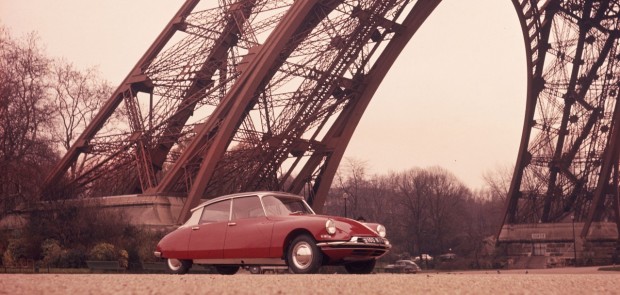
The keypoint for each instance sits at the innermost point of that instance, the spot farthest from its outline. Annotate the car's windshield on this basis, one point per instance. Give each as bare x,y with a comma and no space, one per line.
281,206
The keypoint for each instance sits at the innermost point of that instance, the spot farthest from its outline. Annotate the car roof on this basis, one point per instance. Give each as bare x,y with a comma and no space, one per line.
247,194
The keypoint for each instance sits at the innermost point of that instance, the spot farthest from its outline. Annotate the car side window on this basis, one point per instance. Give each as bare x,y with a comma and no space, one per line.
247,207
217,212
274,206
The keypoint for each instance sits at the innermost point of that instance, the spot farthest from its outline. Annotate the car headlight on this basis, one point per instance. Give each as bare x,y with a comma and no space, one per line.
330,226
381,230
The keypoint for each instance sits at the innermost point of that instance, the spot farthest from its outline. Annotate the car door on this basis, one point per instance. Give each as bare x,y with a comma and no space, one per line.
249,231
207,238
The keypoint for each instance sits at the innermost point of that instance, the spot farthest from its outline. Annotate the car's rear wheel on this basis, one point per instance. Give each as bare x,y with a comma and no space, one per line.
178,266
303,256
360,267
226,269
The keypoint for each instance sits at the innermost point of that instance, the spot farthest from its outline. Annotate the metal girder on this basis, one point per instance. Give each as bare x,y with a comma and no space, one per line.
82,143
184,74
567,149
216,60
340,134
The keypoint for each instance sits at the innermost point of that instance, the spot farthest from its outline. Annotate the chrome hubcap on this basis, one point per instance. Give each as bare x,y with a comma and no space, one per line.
302,255
174,264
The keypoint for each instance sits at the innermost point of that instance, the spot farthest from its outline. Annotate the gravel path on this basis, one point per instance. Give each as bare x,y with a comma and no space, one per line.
569,281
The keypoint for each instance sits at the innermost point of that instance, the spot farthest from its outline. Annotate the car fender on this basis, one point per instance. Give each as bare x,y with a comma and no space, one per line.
174,244
286,228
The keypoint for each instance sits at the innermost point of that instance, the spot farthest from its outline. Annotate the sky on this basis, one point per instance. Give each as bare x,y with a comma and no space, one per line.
455,98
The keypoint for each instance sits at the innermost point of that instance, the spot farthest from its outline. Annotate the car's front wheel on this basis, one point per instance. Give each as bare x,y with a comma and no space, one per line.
177,266
360,267
255,269
226,269
303,256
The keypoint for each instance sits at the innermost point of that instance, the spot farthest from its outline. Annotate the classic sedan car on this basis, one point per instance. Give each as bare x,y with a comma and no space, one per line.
270,229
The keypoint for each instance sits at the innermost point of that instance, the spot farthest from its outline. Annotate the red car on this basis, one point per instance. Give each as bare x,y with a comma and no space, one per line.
270,229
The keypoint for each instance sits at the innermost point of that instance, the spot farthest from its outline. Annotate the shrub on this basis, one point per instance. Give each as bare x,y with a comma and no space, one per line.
4,243
74,258
55,256
103,252
147,245
141,244
52,253
123,259
15,253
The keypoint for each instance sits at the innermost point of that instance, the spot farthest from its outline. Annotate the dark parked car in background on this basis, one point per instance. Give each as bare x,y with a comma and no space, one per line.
270,229
403,266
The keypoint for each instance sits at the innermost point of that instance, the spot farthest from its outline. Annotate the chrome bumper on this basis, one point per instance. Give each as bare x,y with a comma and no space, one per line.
358,242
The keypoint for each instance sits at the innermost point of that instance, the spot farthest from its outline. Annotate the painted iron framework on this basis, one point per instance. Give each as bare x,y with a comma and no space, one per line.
239,96
567,167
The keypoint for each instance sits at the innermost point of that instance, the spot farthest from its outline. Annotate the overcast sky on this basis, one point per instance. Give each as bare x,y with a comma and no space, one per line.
455,97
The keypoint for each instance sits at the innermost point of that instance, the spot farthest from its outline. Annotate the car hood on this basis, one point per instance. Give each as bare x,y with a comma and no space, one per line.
343,225
357,227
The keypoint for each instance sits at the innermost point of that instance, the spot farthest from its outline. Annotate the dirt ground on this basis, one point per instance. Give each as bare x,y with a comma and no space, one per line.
541,281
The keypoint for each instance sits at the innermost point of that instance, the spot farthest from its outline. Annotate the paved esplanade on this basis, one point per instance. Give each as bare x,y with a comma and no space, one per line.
567,281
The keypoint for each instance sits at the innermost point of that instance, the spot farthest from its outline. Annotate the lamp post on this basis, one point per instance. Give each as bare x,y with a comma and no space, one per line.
345,196
572,217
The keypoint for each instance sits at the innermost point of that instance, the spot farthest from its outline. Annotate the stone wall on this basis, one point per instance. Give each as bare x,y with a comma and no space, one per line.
560,243
144,210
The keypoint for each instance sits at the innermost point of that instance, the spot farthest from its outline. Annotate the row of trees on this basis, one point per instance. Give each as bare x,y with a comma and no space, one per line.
426,211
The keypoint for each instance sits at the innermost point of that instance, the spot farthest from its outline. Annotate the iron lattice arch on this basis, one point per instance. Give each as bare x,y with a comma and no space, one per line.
242,95
265,95
567,167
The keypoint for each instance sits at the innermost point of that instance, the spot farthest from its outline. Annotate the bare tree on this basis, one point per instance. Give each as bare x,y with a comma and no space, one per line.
351,179
498,182
445,206
495,193
25,114
411,193
431,202
77,96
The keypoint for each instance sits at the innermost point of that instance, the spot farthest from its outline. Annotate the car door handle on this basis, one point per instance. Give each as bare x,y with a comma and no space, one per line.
196,228
232,223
